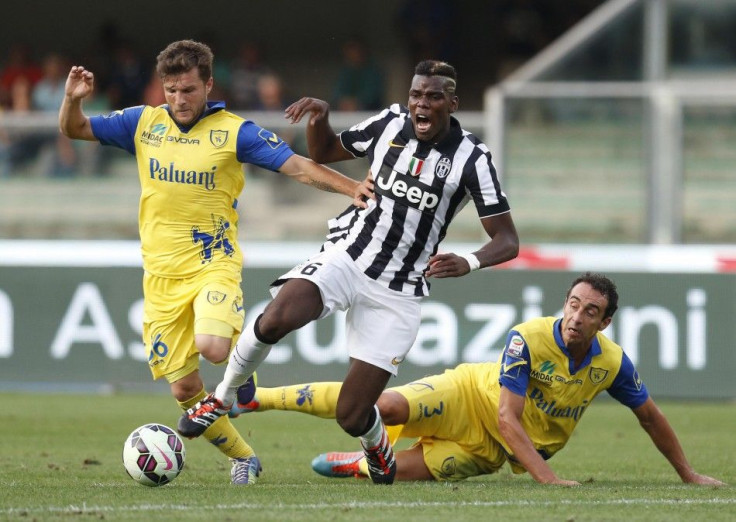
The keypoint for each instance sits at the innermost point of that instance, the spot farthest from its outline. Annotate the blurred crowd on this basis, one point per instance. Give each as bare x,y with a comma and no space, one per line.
32,80
124,78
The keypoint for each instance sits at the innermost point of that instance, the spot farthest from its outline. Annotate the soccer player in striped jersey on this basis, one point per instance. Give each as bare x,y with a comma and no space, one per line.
190,154
521,409
425,168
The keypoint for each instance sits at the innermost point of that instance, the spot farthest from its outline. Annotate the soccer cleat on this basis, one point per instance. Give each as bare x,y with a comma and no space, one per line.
195,421
245,471
381,461
245,398
338,465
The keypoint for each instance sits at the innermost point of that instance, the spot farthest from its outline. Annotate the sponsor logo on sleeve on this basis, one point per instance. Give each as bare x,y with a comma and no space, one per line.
516,346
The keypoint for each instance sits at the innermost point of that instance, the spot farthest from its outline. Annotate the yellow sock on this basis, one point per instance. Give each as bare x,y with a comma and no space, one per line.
222,433
226,438
363,467
194,400
316,398
394,432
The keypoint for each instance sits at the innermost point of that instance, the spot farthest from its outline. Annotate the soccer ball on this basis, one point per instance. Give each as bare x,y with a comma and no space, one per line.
153,455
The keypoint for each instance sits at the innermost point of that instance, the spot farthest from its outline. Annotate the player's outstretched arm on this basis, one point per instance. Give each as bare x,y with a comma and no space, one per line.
324,178
323,144
72,121
659,429
510,409
504,246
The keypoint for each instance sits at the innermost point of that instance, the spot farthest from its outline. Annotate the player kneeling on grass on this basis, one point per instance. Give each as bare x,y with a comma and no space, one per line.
521,409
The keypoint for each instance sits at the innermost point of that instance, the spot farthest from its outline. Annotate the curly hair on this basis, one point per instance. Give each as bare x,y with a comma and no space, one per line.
183,56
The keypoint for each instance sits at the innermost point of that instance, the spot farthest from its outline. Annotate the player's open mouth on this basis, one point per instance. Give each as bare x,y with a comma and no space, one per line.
422,123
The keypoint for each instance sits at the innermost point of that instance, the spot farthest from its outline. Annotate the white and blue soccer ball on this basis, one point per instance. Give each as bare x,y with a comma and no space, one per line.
153,455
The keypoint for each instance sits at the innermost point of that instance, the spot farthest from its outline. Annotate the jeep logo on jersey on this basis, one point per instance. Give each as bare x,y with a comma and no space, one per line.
444,165
407,189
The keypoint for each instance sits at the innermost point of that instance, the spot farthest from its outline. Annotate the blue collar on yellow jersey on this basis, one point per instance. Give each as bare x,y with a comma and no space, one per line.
212,107
595,347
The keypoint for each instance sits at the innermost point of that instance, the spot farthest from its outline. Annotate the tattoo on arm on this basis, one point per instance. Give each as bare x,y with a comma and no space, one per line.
322,186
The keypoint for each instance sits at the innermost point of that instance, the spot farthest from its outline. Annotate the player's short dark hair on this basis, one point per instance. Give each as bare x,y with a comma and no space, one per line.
183,56
435,68
438,68
602,284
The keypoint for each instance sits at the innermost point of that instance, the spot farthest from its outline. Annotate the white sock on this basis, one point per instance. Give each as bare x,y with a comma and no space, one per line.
247,355
373,436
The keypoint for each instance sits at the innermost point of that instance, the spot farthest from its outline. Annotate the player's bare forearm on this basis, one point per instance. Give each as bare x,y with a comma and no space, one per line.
322,142
326,187
510,410
524,451
318,176
504,244
664,438
72,121
502,248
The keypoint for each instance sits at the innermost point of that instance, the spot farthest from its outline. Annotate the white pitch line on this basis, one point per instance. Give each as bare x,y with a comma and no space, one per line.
351,505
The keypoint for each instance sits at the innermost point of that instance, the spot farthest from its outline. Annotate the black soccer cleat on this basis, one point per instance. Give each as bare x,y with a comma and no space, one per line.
381,461
195,421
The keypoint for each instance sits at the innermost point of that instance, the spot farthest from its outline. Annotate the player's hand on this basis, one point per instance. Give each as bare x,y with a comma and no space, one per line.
703,480
79,83
563,482
318,109
364,192
447,265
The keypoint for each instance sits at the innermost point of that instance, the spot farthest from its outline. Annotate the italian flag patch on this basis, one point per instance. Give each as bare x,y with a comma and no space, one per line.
415,166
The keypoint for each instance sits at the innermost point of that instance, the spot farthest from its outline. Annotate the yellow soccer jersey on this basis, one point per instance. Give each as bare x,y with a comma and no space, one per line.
190,180
536,364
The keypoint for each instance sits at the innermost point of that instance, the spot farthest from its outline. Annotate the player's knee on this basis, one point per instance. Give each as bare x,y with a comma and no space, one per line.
351,426
213,348
282,317
271,326
187,388
352,420
393,407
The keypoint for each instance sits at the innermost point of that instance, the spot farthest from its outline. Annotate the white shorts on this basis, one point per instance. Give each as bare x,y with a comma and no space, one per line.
381,324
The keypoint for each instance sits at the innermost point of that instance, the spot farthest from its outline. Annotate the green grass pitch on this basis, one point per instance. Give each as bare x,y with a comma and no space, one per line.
60,459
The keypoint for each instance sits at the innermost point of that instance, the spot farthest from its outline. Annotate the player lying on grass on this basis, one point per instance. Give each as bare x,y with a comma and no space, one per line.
521,409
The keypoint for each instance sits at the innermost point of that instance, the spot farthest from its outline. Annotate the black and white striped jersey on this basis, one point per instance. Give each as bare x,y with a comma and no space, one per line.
419,188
